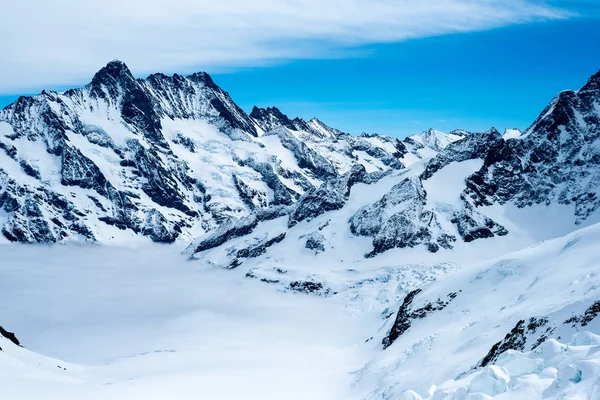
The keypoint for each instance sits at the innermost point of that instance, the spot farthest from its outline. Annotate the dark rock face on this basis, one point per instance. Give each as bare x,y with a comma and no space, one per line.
158,183
78,170
30,226
272,213
10,336
281,194
587,317
225,232
155,226
315,241
531,333
306,157
514,340
403,320
198,97
406,315
27,223
309,287
137,108
260,248
517,339
327,197
472,225
271,118
400,219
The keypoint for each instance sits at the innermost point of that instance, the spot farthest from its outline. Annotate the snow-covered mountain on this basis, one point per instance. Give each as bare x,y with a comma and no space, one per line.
441,266
471,206
166,157
475,186
436,140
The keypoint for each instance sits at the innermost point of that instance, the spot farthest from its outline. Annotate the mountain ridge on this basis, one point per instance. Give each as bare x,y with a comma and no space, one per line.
119,152
498,173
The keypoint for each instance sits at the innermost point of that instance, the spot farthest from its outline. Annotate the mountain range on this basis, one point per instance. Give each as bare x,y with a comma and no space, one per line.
164,158
463,243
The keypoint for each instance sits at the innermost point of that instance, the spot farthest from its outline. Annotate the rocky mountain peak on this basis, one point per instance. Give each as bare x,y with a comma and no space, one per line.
593,83
322,130
159,157
459,132
494,131
434,139
115,72
182,143
204,78
270,118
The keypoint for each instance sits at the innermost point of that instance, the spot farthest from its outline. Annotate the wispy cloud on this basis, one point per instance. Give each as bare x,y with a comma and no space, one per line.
62,42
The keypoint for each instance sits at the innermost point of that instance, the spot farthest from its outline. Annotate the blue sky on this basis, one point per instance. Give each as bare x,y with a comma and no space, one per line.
502,78
486,76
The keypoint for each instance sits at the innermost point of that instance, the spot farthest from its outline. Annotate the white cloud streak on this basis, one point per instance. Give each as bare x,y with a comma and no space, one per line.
63,42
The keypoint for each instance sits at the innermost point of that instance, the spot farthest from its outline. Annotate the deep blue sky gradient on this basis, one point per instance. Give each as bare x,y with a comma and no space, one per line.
502,78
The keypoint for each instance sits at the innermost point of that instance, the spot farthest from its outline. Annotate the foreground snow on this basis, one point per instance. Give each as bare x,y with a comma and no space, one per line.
552,371
125,323
519,301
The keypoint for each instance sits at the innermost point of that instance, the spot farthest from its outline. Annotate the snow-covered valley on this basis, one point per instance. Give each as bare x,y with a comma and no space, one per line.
143,322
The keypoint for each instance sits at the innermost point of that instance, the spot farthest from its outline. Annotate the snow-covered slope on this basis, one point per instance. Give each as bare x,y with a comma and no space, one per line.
472,327
474,187
166,157
435,140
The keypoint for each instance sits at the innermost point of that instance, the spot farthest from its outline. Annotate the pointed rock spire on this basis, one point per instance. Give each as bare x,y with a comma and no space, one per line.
114,72
593,83
270,118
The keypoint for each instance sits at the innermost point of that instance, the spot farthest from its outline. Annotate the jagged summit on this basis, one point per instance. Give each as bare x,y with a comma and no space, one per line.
321,129
435,139
117,71
114,73
203,77
270,118
593,83
114,68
